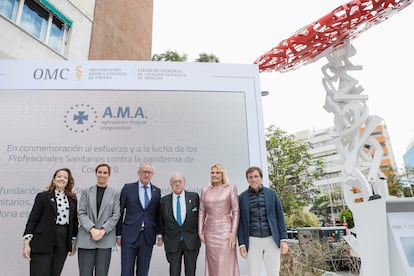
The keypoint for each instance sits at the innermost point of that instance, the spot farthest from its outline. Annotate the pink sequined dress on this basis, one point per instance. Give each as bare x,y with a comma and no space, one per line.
218,216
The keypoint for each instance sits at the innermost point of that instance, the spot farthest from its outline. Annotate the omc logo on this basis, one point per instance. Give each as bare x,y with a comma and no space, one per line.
51,74
80,118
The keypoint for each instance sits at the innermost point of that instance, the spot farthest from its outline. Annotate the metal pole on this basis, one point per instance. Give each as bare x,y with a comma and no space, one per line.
331,204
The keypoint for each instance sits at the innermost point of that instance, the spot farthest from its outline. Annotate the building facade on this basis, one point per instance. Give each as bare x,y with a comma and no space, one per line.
408,156
75,29
407,179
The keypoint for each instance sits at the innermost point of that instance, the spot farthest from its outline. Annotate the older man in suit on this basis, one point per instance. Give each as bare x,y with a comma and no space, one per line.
98,213
179,227
262,231
139,223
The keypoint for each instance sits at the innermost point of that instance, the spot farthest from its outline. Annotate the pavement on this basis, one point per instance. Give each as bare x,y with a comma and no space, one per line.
339,273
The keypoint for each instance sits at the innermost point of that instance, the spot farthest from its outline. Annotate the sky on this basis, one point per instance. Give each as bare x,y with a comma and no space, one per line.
239,32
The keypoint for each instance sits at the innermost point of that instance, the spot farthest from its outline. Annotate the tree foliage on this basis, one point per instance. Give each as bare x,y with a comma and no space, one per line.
346,216
408,191
403,182
291,169
395,187
301,218
175,56
330,201
169,56
203,57
321,207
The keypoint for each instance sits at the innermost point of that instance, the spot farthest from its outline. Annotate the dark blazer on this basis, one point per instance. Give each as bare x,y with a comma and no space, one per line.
170,229
275,217
133,214
42,223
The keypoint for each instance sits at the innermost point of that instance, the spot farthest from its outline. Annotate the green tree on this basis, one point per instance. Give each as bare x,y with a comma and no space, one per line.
407,191
328,204
169,56
346,215
321,207
203,57
301,218
175,56
405,179
291,169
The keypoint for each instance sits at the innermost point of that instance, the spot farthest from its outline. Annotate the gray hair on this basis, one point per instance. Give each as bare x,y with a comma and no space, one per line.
177,174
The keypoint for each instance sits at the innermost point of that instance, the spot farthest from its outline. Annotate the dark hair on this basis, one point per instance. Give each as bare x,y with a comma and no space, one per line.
103,165
252,169
69,186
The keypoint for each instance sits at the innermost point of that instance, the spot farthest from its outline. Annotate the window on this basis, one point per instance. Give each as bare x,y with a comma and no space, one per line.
8,8
57,34
40,19
34,20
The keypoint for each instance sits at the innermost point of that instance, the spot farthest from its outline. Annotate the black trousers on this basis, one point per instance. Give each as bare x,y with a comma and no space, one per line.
51,263
175,260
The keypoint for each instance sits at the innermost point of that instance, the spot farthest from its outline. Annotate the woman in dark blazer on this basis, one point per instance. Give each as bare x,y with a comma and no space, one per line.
52,227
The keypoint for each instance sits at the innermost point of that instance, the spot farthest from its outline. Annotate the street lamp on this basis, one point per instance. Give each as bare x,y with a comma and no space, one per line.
333,220
328,180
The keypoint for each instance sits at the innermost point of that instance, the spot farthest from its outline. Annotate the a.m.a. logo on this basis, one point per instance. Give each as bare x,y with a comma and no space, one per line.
124,112
123,118
80,118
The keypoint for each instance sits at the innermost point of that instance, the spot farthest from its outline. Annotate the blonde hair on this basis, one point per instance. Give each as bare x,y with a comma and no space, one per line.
223,171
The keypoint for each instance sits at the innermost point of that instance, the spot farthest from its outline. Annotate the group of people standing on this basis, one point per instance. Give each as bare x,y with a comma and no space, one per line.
59,224
138,217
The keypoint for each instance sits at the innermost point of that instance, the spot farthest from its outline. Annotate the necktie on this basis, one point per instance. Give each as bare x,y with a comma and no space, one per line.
179,220
146,198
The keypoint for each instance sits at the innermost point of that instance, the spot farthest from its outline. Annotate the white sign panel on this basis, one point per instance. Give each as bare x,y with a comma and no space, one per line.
178,116
402,229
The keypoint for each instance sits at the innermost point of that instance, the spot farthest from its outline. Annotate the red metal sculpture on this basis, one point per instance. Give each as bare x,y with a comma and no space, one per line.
314,40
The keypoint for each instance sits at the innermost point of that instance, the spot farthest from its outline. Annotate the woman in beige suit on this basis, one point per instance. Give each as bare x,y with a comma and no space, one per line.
98,213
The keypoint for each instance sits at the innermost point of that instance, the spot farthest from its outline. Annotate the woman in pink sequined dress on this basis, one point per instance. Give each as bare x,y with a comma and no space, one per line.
218,222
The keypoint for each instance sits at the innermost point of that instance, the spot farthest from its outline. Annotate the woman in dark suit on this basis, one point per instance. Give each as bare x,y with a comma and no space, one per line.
52,227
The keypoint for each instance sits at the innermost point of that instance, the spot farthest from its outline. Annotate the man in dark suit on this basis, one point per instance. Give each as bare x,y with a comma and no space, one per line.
262,231
139,222
179,227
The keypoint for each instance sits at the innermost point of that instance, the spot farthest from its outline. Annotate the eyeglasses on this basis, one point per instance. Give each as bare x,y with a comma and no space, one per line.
146,172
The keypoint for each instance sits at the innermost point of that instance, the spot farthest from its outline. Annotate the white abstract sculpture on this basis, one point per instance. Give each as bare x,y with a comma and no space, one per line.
364,185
